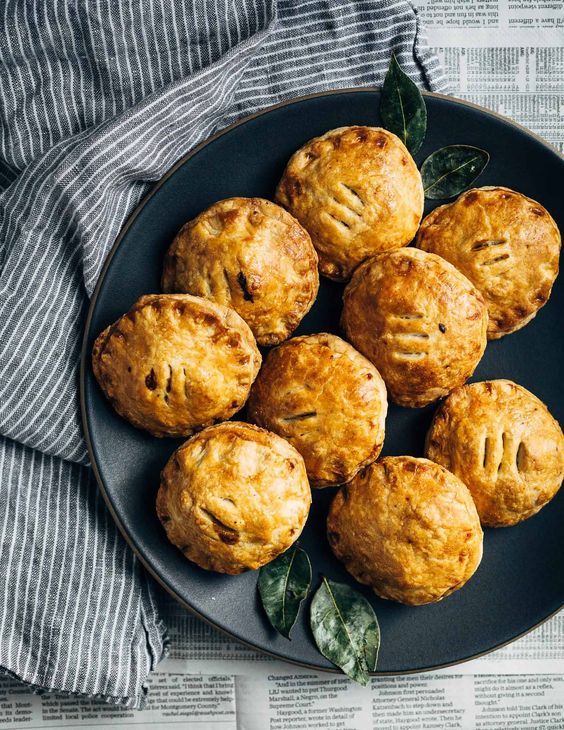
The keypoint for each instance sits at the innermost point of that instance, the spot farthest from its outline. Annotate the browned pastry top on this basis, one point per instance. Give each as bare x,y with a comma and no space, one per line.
233,497
249,254
504,444
506,244
408,528
175,363
328,401
419,320
357,191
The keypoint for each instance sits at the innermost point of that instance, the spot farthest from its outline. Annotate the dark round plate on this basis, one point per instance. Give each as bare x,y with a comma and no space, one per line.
520,581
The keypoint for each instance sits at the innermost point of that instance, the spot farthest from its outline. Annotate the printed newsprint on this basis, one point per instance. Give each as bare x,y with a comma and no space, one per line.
211,682
506,55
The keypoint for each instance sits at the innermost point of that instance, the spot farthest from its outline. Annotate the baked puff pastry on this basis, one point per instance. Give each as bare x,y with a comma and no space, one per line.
249,254
357,191
407,528
506,244
233,497
327,400
419,320
176,363
504,444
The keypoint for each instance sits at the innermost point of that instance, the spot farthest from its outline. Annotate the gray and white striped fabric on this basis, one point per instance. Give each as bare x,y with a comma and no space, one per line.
98,98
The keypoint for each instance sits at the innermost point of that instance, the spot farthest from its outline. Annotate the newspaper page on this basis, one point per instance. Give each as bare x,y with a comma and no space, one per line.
507,55
211,681
284,699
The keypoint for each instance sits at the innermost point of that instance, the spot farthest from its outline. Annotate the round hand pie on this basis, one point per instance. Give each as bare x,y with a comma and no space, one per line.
327,400
249,254
175,363
502,441
357,191
419,320
233,497
407,528
506,244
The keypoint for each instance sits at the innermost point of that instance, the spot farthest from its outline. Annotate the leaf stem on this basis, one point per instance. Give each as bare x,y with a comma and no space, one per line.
450,172
339,612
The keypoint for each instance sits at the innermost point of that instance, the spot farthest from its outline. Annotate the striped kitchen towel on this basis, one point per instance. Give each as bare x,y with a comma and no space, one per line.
98,98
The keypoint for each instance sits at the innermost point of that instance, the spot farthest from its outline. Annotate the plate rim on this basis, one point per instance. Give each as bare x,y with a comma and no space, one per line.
85,359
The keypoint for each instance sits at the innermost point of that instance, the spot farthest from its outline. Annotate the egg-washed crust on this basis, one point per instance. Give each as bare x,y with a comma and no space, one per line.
407,528
418,320
357,191
249,254
176,363
503,443
233,497
327,400
506,244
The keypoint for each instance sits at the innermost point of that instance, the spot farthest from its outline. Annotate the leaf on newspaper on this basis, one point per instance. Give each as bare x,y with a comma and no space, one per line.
283,585
345,629
402,107
450,170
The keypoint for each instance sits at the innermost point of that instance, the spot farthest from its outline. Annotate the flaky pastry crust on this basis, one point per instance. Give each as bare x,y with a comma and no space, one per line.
407,528
327,400
506,244
249,254
419,320
503,443
176,363
357,191
233,497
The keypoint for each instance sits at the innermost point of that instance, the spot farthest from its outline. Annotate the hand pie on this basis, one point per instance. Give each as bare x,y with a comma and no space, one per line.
327,400
407,528
249,254
175,363
419,320
233,497
506,244
357,191
504,444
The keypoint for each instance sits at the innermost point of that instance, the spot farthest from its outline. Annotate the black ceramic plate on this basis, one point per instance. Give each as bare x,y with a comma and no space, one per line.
520,581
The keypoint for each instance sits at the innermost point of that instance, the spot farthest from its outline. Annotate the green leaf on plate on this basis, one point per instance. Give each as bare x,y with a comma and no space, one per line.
450,170
345,629
283,585
402,107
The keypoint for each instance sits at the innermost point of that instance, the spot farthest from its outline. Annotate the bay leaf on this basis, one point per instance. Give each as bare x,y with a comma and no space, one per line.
345,629
283,584
402,107
450,170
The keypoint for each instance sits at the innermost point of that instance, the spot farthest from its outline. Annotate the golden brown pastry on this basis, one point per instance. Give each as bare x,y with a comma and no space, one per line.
357,191
407,528
175,363
419,320
327,400
249,254
504,444
506,244
233,497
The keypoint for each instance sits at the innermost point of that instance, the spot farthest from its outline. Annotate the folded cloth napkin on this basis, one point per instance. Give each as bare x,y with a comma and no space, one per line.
98,99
